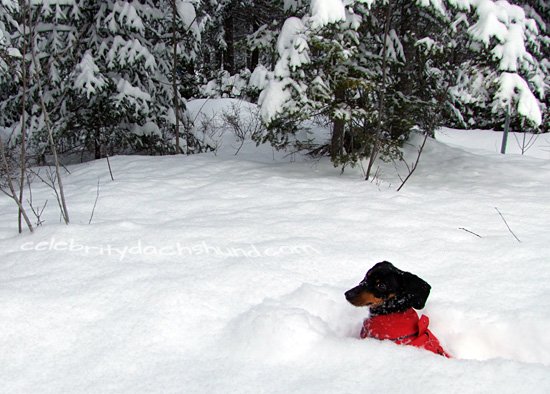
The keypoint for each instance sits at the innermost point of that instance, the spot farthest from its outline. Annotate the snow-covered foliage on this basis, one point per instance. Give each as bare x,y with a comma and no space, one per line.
124,14
108,70
512,30
293,50
226,85
513,88
324,12
494,38
88,79
445,61
188,16
40,68
336,69
124,52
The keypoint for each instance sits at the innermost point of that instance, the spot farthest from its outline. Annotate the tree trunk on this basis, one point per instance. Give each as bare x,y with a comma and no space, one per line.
506,131
175,76
23,158
36,66
381,94
229,53
97,144
337,140
13,193
254,58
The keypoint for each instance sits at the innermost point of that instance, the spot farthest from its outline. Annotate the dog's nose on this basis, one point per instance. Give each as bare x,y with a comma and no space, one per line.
350,294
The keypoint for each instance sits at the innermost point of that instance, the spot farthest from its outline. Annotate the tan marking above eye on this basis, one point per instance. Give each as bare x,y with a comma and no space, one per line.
367,299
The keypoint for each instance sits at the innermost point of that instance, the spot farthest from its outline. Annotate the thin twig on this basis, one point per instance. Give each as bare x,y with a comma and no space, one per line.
50,182
46,118
506,223
415,164
109,165
95,202
471,232
13,194
36,211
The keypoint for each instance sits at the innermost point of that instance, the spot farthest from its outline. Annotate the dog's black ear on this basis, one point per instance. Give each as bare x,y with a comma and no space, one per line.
417,290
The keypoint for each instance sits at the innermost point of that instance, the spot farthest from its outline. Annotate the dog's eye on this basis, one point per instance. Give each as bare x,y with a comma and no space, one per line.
381,286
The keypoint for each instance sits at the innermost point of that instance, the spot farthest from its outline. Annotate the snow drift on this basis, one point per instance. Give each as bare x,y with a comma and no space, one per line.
226,273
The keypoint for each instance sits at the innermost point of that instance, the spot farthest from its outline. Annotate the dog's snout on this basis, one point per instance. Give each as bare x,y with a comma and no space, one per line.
351,294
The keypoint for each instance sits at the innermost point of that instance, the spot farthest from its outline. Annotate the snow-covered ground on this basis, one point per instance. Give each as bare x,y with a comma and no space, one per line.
486,141
222,273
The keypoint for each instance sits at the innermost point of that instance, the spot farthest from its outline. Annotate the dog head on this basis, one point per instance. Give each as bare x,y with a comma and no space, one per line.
387,289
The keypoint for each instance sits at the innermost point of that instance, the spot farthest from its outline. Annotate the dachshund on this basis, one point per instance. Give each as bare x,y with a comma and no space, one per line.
392,296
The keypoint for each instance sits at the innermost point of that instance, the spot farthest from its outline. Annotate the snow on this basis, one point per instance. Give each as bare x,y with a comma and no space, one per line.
394,47
223,273
187,13
273,98
126,52
504,21
437,5
10,5
488,142
488,24
292,47
514,88
324,12
88,79
513,50
148,128
293,52
127,15
508,24
259,77
14,52
464,5
134,95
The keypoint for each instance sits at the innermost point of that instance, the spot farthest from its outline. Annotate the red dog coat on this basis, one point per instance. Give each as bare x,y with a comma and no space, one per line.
403,328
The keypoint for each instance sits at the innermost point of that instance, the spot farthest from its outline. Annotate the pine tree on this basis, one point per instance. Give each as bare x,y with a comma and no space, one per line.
240,36
10,62
114,74
377,70
364,72
113,105
504,71
143,57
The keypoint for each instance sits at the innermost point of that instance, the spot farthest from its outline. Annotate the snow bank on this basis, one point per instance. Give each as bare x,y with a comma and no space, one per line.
289,327
488,142
216,273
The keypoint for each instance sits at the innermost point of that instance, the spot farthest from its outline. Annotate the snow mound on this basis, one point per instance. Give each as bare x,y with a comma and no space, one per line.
286,328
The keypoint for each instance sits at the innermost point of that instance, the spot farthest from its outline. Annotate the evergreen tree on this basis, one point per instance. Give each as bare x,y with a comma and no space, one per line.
504,70
379,69
240,36
42,34
363,71
10,62
113,73
123,94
